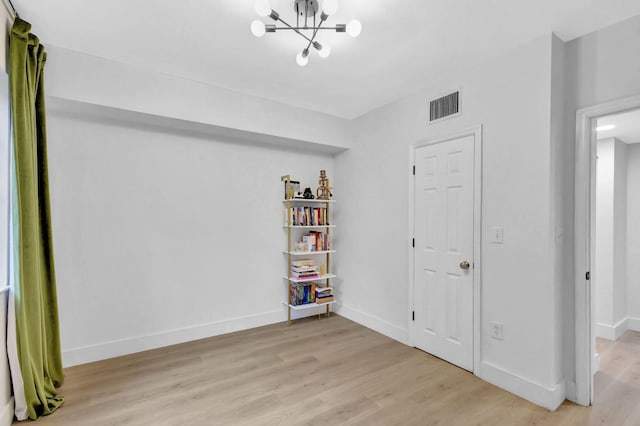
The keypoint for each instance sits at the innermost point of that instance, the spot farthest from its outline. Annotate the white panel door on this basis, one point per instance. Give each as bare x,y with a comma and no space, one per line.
443,275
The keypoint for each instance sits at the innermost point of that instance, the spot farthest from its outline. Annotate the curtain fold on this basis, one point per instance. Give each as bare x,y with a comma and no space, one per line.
37,371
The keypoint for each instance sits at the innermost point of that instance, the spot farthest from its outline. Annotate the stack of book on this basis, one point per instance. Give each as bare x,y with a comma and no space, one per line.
324,295
304,268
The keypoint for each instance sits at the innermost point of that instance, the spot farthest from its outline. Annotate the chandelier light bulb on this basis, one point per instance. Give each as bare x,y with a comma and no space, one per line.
263,8
257,28
330,7
302,60
354,28
325,51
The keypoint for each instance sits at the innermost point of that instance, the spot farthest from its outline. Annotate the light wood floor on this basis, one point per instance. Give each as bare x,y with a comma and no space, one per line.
329,371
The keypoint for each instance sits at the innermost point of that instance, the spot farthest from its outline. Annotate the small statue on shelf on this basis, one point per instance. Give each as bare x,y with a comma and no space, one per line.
288,193
324,190
308,195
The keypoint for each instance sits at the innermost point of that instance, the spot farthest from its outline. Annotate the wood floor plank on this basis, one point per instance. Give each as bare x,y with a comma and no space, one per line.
318,372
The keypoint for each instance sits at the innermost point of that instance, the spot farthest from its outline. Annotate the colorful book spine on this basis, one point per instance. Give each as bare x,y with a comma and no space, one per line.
302,293
307,216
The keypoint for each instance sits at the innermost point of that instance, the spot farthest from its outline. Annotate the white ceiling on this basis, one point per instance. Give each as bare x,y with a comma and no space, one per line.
404,45
627,126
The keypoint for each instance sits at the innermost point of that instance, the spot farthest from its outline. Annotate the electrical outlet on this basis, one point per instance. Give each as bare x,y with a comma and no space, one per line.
496,330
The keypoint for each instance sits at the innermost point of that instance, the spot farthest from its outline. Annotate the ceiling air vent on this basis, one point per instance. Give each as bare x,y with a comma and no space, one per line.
444,107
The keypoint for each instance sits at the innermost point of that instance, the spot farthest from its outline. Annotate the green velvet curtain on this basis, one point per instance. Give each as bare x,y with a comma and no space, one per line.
35,298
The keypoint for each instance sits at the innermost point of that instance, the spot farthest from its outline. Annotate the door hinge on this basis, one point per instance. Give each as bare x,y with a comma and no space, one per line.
414,170
587,276
413,315
413,242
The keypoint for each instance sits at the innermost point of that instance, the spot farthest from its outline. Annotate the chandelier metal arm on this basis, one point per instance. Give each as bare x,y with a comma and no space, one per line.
313,37
336,28
296,29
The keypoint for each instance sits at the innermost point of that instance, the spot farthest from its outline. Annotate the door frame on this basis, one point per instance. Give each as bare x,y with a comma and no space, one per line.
584,211
476,132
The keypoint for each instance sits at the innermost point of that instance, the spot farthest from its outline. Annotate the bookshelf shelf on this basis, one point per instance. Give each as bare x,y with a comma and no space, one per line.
305,201
306,280
308,305
307,224
308,253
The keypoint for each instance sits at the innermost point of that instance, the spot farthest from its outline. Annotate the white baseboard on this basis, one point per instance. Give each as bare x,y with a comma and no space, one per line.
6,413
549,398
612,332
85,354
633,324
375,323
595,364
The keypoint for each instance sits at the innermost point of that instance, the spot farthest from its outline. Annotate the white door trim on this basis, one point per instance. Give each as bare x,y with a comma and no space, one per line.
584,211
476,132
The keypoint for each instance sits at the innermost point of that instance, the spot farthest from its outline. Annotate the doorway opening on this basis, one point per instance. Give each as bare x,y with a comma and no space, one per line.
607,287
616,322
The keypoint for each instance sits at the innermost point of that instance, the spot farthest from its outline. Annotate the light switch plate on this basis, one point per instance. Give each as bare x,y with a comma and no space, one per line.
497,235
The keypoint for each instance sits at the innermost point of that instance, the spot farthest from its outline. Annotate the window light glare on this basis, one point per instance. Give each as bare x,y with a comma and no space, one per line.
605,128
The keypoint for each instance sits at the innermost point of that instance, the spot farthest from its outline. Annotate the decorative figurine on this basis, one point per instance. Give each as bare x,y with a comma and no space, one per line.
308,195
324,190
295,188
288,192
291,188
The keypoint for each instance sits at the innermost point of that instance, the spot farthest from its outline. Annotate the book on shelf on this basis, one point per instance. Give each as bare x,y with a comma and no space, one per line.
306,240
321,300
324,294
305,268
307,276
303,262
316,241
302,294
306,216
301,274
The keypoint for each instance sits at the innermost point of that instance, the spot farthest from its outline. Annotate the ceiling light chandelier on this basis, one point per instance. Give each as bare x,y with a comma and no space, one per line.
306,12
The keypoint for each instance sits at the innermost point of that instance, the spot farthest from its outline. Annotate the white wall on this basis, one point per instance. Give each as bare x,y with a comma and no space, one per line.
620,234
6,400
80,77
561,229
165,192
602,65
603,273
611,239
510,96
162,237
633,236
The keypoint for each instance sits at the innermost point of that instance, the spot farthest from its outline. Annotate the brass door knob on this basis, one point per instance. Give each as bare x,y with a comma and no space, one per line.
464,264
